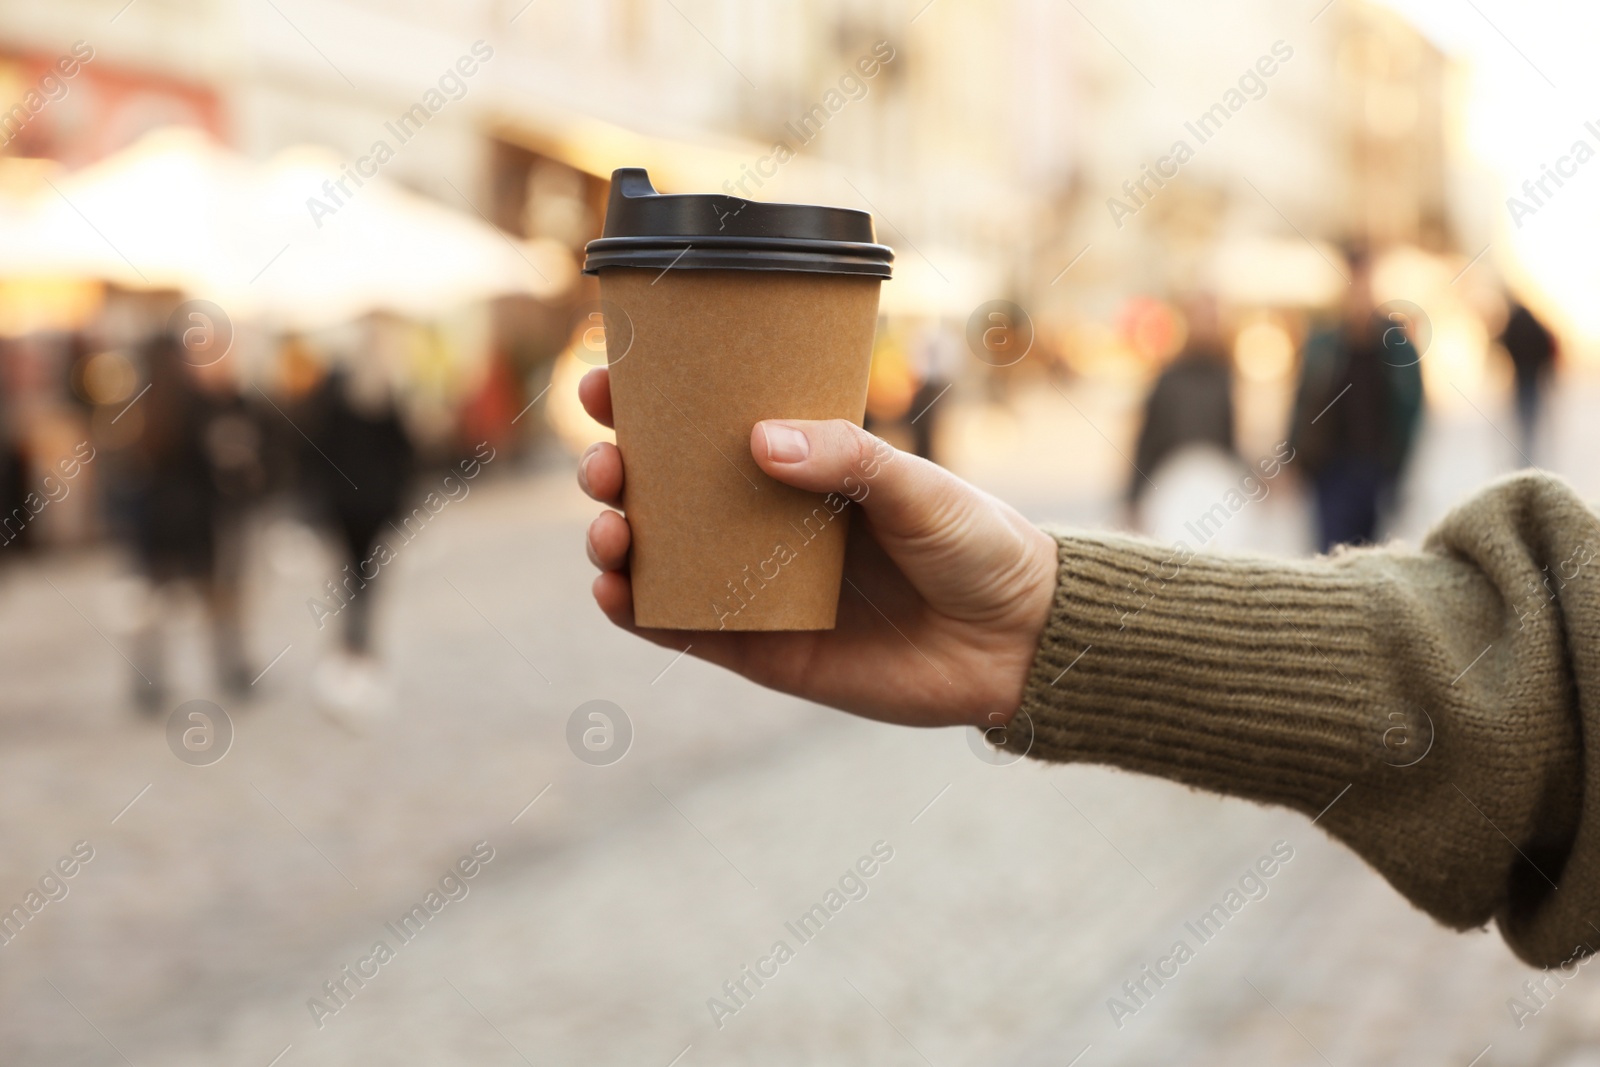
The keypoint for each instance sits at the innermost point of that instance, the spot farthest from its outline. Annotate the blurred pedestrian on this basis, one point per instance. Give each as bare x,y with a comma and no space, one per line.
234,439
936,358
13,465
1190,484
1191,403
357,477
1356,413
192,471
1532,349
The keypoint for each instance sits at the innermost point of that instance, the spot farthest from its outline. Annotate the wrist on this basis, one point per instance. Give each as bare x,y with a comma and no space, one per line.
1034,599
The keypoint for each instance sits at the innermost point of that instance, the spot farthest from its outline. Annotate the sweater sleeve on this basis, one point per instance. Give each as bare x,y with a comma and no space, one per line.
1430,706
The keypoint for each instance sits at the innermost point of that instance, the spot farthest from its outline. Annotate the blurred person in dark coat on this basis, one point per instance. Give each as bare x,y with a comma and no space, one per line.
1191,402
1357,411
358,478
193,471
1533,350
13,463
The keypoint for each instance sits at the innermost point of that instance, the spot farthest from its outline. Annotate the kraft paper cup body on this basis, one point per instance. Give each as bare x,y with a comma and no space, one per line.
701,357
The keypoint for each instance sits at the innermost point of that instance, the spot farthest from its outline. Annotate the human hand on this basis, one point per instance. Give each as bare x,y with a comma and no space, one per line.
946,588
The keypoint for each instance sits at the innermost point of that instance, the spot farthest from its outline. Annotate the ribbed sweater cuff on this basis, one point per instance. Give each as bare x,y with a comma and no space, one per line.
1244,676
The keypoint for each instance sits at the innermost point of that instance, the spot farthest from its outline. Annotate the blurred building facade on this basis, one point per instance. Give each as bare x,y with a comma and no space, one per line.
1064,157
989,140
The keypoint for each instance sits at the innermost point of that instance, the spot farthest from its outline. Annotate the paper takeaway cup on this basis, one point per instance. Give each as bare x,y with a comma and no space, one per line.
720,312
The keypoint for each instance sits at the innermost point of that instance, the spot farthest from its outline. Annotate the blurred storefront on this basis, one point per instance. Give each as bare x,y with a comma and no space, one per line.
80,107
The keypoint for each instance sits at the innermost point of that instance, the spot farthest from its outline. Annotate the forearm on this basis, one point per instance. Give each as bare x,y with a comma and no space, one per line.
1419,694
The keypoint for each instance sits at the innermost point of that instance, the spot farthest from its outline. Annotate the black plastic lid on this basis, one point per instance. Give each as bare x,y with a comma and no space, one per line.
646,229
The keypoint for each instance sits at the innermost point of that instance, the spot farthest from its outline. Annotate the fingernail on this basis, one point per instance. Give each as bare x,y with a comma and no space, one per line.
583,469
785,444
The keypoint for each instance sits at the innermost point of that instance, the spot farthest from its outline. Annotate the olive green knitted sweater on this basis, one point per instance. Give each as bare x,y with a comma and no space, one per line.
1430,705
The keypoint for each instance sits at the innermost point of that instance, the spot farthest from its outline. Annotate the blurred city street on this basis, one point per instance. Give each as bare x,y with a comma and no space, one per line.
1018,901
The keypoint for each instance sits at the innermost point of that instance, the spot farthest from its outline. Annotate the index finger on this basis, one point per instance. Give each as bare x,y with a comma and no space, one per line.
594,391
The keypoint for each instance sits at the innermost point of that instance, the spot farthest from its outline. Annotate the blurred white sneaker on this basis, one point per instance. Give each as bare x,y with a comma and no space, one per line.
352,690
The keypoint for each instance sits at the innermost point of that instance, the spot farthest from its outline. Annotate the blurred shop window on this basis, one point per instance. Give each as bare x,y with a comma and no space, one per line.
555,206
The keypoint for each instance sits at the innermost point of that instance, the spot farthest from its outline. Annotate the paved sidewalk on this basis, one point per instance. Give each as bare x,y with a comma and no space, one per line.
1016,904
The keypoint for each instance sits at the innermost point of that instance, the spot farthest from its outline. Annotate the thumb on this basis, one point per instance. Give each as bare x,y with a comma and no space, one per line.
963,551
905,496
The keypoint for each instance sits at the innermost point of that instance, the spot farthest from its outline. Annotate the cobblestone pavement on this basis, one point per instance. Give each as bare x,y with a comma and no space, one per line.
1017,901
